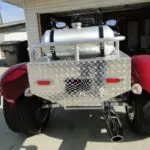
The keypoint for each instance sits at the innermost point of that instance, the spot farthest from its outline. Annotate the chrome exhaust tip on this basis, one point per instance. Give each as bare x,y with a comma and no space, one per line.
117,138
113,123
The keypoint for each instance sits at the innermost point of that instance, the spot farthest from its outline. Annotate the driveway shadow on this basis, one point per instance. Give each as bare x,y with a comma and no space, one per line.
10,140
76,128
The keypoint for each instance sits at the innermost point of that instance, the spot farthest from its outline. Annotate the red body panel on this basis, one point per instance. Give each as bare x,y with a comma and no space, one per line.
141,71
14,82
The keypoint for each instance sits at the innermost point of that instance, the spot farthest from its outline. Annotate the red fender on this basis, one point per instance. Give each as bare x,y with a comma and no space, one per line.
14,82
141,71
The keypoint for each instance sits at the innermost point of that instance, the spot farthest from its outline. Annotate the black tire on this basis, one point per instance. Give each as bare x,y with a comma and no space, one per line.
140,106
26,116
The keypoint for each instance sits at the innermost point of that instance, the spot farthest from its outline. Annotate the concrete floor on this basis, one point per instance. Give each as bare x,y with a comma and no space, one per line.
72,130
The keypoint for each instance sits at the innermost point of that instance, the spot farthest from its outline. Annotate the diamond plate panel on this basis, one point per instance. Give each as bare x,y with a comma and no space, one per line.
81,83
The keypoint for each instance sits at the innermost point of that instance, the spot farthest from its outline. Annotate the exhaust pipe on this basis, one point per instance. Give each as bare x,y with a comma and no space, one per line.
114,129
113,124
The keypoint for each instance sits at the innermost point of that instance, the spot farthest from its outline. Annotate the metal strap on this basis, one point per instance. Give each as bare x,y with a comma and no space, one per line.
52,36
52,48
101,35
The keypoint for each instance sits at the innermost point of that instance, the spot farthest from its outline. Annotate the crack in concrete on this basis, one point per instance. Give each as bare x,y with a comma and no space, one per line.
12,146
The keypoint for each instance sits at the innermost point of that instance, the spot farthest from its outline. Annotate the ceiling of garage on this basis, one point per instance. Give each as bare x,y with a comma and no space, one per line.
15,2
20,2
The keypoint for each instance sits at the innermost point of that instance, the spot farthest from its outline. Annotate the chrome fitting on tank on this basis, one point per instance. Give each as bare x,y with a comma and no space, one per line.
77,25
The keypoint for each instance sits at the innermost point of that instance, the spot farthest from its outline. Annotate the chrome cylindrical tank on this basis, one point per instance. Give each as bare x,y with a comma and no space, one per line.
81,34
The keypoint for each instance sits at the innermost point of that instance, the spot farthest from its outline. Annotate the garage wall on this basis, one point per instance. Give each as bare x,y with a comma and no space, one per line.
15,36
32,7
12,33
1,39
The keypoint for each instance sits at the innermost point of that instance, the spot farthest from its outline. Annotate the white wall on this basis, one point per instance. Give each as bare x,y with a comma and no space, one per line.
16,36
1,40
1,37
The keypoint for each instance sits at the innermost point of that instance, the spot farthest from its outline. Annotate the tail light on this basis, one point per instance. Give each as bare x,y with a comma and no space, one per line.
43,82
113,80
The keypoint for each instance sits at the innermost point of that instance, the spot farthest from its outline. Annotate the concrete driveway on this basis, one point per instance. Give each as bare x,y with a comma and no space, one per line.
72,130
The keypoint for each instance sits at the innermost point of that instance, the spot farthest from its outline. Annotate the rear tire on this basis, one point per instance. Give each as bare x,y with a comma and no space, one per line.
26,116
138,112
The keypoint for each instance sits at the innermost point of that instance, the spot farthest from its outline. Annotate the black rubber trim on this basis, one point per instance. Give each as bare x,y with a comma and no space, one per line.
52,36
52,48
101,35
101,32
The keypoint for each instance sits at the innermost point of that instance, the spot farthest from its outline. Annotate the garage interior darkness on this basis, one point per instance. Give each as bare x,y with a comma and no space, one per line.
133,21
